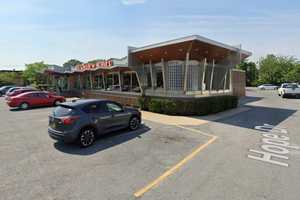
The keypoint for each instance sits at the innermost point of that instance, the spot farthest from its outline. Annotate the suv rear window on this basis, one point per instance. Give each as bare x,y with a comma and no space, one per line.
61,111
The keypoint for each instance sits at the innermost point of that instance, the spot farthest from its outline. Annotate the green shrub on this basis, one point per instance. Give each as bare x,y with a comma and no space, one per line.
155,105
169,107
188,106
143,102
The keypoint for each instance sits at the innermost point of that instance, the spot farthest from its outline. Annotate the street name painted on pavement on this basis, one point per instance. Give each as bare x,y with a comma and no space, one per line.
276,146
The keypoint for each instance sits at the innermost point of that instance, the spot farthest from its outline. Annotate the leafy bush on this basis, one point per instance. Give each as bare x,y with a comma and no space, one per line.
169,107
156,105
188,106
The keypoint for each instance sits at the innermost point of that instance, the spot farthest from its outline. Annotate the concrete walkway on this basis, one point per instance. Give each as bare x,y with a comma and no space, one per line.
189,120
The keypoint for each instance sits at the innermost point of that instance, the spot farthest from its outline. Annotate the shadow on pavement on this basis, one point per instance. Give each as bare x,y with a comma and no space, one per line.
248,99
258,115
32,108
103,142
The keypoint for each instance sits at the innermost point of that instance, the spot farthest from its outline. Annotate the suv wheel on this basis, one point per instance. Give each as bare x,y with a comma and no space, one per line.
134,123
87,137
24,106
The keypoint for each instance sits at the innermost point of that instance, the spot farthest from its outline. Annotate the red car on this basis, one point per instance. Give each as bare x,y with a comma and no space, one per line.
33,99
19,91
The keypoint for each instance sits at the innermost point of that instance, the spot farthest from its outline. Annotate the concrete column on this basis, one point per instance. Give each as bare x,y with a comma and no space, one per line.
212,76
187,59
120,81
103,80
91,80
203,74
225,80
151,74
138,79
164,73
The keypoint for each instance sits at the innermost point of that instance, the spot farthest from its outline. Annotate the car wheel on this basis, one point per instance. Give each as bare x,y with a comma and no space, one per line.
283,95
24,106
134,123
87,137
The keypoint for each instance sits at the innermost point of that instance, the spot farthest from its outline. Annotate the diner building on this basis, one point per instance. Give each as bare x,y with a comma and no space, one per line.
188,67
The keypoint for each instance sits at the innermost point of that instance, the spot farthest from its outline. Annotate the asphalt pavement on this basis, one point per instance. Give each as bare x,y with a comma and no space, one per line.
233,166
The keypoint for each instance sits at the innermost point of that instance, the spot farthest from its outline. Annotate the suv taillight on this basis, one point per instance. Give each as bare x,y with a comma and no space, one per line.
69,120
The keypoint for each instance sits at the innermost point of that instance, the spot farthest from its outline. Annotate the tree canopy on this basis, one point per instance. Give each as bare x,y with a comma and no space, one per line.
251,72
278,69
33,73
70,64
8,78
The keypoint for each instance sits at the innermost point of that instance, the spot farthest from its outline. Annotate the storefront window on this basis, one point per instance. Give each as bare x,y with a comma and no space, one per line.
98,82
130,82
113,81
77,82
175,77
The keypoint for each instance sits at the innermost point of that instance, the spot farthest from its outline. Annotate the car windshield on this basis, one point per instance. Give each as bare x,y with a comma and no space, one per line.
61,111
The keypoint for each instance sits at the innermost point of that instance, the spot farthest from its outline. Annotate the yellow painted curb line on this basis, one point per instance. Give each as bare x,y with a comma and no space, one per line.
176,167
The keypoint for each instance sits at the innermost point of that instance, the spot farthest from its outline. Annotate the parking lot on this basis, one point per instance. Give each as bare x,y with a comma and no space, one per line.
36,167
161,160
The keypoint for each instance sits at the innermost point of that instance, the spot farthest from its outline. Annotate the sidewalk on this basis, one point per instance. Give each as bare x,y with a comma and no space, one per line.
190,120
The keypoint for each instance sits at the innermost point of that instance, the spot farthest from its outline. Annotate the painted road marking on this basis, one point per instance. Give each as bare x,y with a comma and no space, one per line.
275,145
176,167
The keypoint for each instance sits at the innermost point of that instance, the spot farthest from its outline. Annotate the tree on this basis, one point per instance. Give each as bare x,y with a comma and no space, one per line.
8,78
71,64
277,69
34,73
251,72
294,74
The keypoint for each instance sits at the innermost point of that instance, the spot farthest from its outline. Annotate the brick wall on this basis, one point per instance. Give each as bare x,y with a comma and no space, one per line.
124,99
238,82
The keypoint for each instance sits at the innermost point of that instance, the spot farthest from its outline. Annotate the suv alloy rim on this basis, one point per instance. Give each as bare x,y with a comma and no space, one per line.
134,122
87,137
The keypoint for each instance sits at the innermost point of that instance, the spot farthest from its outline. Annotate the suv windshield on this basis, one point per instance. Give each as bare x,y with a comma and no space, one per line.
61,111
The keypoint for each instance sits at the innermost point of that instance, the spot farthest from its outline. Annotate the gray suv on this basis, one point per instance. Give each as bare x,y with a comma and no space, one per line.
84,120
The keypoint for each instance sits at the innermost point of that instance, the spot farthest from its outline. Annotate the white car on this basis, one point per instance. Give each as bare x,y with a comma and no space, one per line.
267,87
289,89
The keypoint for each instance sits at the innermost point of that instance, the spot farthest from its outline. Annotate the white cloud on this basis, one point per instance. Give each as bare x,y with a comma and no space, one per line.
132,2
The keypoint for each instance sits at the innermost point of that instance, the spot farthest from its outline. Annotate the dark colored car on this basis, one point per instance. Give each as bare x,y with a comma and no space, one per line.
4,89
19,91
84,120
34,99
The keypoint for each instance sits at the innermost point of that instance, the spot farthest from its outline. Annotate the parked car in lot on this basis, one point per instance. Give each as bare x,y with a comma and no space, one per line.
4,89
19,91
12,89
267,87
84,120
34,99
289,89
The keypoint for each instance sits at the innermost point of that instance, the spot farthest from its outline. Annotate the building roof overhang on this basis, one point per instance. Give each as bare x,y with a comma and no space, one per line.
177,49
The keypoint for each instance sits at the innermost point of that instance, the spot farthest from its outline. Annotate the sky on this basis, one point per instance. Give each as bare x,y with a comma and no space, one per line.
55,31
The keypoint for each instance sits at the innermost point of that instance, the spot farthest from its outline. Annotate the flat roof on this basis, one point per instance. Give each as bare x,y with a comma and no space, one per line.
189,38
